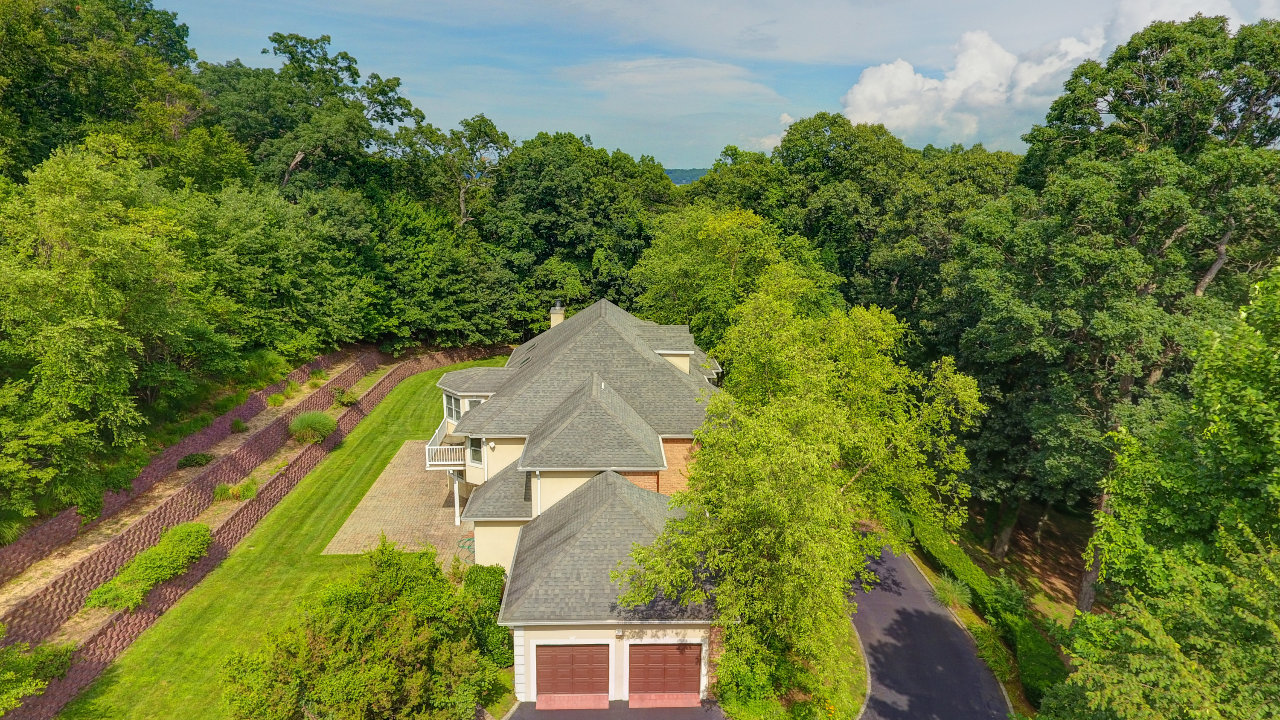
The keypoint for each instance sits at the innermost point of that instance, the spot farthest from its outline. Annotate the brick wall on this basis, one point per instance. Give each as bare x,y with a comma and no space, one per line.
679,452
645,480
41,539
105,645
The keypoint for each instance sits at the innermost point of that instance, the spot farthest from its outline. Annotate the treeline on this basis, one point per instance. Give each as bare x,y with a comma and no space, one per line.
169,226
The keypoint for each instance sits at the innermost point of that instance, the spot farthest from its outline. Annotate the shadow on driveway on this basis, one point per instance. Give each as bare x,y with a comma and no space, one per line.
618,710
923,665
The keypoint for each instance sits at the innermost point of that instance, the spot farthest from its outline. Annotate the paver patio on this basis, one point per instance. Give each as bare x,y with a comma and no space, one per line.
411,506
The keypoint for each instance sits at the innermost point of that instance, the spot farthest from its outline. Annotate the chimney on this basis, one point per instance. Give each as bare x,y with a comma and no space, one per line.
557,313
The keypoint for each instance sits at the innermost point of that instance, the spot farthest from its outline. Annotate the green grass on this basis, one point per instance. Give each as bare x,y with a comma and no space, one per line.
498,708
174,669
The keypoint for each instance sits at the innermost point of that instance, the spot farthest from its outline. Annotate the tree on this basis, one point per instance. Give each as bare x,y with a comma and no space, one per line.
463,160
704,262
817,399
1208,646
394,640
1211,464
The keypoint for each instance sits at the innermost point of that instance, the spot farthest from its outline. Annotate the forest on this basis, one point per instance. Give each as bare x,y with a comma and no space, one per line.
1091,326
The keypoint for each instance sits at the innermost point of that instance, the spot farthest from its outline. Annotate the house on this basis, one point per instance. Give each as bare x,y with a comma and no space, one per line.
565,457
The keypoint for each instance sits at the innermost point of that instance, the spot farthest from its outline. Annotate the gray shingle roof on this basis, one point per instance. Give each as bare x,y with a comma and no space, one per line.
565,555
475,380
601,339
594,428
505,496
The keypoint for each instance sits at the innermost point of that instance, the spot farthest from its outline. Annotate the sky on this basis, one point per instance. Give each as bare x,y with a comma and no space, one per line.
681,79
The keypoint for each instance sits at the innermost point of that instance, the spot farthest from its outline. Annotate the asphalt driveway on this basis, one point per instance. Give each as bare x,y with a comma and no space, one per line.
618,710
923,665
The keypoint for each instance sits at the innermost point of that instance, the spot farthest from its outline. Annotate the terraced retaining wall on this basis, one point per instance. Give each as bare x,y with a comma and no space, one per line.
40,540
105,645
43,612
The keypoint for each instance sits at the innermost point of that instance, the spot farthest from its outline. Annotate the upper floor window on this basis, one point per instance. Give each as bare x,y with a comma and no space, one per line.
474,450
452,407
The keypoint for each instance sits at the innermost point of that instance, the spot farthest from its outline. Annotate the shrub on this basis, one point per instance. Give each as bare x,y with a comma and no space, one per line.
312,427
195,460
240,491
179,546
238,425
290,389
951,558
319,374
484,583
345,397
25,670
1038,662
992,651
275,400
951,592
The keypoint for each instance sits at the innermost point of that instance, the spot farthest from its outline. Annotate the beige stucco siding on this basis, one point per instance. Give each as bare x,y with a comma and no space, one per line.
553,485
504,452
496,542
529,637
680,361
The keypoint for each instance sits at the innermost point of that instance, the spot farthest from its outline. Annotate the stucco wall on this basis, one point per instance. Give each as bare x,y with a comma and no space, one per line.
528,638
504,452
553,485
496,542
680,361
679,452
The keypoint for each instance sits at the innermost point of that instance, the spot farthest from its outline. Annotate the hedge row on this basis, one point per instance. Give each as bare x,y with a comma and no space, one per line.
178,547
1002,603
485,583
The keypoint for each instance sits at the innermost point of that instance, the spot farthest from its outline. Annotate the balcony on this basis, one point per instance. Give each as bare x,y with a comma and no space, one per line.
444,457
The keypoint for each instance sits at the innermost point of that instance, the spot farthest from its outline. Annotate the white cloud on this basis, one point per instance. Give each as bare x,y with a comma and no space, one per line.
992,94
770,141
671,86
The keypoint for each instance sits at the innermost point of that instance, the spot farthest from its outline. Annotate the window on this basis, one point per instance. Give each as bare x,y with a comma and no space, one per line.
474,450
452,407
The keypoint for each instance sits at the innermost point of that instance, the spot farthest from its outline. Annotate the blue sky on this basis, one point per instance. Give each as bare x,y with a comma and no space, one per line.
680,79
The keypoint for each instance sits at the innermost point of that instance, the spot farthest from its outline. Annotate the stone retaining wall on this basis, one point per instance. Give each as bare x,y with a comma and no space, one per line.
41,539
105,645
43,612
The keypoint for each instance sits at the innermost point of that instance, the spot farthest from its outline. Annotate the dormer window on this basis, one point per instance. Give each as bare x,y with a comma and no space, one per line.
452,407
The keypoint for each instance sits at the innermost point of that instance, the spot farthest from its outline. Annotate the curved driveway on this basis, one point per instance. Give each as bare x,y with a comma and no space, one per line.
923,665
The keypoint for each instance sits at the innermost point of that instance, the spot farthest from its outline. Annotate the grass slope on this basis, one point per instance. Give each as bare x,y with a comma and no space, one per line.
173,670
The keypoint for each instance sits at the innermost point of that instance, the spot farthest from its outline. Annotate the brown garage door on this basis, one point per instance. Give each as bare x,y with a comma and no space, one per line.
572,676
665,675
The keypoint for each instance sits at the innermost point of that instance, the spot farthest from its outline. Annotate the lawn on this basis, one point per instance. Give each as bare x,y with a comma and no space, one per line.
172,671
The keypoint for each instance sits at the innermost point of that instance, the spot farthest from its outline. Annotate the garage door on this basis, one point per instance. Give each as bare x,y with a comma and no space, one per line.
572,677
664,675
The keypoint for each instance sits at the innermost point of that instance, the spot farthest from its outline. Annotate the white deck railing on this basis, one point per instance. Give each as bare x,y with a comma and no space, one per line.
444,456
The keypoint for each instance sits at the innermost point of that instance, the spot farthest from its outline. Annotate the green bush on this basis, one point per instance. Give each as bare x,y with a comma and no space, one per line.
240,491
951,558
345,397
992,651
290,389
1038,662
275,400
312,427
951,592
239,426
485,584
179,546
195,460
26,670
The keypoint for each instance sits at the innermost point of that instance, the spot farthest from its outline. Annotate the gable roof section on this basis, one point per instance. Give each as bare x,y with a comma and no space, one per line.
505,496
593,428
475,380
564,557
602,339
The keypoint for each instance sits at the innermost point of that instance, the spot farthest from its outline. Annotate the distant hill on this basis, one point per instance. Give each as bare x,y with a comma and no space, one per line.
684,176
